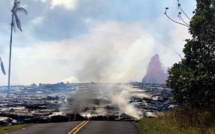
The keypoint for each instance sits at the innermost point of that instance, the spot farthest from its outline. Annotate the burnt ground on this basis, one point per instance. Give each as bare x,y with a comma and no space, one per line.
53,103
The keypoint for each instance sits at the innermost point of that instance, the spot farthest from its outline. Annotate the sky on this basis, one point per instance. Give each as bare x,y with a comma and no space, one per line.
90,40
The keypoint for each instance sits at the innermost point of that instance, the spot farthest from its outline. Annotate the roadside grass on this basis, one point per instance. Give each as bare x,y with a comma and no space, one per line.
161,126
6,129
186,121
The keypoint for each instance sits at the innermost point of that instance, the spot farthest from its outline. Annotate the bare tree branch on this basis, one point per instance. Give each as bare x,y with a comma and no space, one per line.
174,20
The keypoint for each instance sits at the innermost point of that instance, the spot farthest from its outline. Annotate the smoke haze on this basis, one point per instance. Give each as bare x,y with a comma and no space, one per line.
122,101
101,100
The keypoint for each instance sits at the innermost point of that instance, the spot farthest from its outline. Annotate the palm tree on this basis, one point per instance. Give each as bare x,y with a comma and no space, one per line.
2,67
15,22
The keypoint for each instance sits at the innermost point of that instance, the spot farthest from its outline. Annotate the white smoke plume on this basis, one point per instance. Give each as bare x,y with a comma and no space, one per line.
71,80
102,100
122,101
77,101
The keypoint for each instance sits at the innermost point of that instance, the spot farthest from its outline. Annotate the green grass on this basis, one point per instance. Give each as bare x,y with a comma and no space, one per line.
160,126
184,121
6,129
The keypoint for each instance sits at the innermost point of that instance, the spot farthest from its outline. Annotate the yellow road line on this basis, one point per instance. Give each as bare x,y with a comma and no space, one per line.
78,127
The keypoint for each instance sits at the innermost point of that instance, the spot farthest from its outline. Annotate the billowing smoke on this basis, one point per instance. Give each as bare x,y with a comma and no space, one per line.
122,101
71,80
101,100
110,53
78,100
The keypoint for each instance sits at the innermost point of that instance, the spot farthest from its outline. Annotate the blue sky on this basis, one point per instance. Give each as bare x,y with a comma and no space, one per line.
90,40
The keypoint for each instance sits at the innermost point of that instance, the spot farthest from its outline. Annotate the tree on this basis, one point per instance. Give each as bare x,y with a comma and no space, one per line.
14,22
2,67
193,78
181,13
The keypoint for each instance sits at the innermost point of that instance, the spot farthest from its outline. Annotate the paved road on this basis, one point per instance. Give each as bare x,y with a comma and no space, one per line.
91,127
48,128
109,127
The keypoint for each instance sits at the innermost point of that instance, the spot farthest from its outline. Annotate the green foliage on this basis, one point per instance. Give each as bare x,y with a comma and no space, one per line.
162,126
200,119
180,121
193,78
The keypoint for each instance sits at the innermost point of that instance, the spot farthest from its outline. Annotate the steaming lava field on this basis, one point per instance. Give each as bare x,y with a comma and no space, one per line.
61,102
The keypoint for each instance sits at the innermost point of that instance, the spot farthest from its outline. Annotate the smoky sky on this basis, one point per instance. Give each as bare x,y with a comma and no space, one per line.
59,23
91,41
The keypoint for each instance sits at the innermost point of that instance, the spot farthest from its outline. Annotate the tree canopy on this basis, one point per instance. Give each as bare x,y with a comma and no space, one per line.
193,78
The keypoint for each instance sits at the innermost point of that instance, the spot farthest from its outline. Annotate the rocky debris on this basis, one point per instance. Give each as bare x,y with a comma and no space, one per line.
159,100
25,105
42,104
7,121
166,93
151,114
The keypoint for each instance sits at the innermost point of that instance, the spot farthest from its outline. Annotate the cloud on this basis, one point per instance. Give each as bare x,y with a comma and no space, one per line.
68,4
108,52
37,20
96,40
44,1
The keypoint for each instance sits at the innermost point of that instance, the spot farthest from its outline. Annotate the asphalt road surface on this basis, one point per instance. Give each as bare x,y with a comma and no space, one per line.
81,127
109,127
